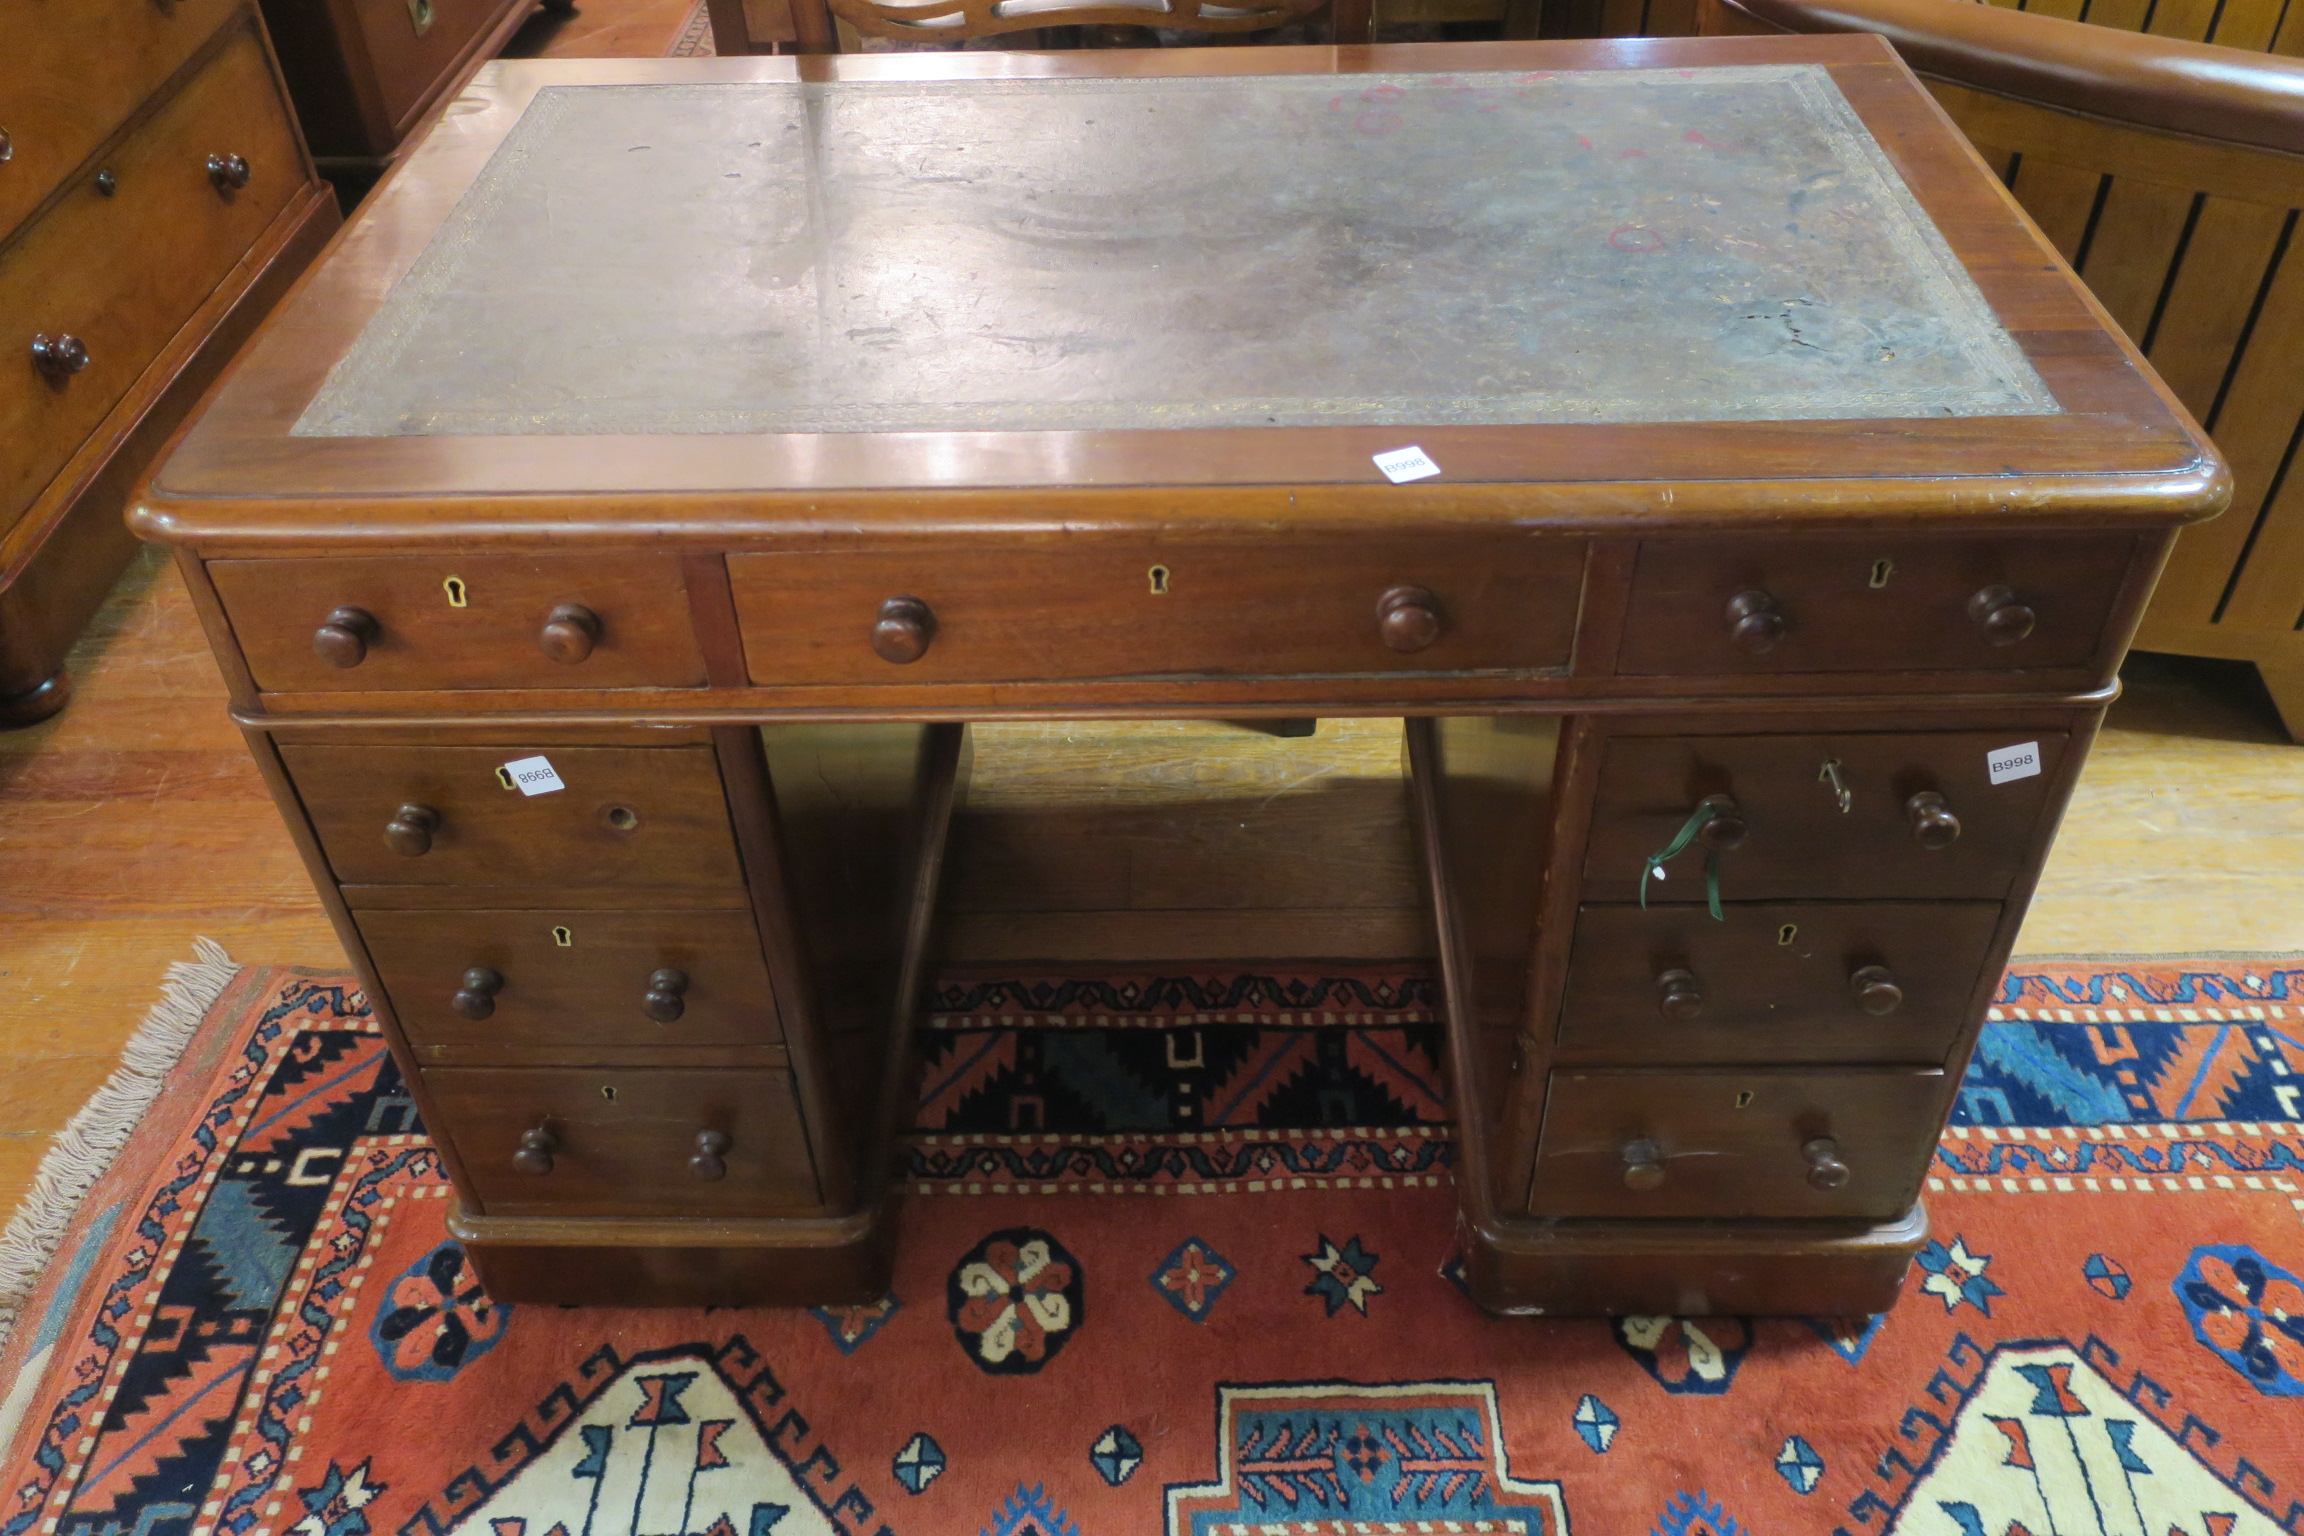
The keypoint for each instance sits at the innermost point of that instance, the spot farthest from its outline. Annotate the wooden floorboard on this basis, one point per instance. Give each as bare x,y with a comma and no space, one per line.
129,825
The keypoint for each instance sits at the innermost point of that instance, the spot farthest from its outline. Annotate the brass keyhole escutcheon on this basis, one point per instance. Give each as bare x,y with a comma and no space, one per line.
563,937
621,818
609,1094
420,16
1158,577
1881,571
458,597
1744,1099
1786,934
504,777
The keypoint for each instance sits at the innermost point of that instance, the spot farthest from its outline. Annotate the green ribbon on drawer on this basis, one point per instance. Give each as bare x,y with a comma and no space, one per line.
1654,869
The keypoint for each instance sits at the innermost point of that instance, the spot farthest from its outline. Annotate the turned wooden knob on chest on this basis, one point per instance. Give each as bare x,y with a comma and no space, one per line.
1755,623
1727,829
1825,1170
535,1155
667,990
1934,827
2003,619
59,357
711,1161
228,172
570,631
409,832
1408,618
476,997
1643,1165
343,638
1680,996
1875,990
904,628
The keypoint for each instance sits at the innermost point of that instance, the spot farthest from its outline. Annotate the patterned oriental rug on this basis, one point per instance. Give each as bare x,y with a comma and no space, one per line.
1177,1260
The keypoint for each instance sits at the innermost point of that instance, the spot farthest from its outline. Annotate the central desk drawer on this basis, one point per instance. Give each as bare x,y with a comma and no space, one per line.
1098,608
1871,981
616,619
638,817
1923,818
1735,1144
472,981
647,1141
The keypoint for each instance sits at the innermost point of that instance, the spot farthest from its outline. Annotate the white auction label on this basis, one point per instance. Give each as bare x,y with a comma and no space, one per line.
2018,762
1406,464
534,776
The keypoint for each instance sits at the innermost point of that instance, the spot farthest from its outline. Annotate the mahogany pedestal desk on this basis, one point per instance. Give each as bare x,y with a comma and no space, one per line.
611,540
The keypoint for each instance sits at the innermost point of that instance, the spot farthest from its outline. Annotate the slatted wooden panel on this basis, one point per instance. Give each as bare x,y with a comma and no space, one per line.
2194,249
2260,26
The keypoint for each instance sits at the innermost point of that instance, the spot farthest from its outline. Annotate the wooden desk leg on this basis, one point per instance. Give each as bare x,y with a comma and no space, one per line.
2286,685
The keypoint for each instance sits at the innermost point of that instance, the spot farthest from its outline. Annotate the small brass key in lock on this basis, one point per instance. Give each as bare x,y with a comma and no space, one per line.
1830,774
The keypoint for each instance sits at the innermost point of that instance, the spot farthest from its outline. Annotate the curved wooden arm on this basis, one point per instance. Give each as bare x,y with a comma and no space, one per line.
2153,82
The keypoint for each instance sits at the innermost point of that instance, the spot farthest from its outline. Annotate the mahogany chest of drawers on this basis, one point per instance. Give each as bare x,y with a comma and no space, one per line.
155,200
611,641
364,73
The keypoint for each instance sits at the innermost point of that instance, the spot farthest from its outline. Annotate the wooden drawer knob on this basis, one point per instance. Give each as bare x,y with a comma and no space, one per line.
570,631
1726,831
343,638
1755,623
476,998
710,1162
1934,827
1643,1165
1408,618
2003,619
1681,995
1875,989
228,172
1825,1170
60,356
666,989
409,832
535,1154
903,631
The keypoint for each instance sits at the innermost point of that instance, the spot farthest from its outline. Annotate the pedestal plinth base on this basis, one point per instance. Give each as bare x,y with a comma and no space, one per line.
1687,1269
625,1262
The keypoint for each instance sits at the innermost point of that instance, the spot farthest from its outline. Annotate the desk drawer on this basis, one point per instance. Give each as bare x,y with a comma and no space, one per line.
1875,981
1971,840
109,280
636,817
626,1142
1093,608
1735,1144
573,980
1871,604
615,620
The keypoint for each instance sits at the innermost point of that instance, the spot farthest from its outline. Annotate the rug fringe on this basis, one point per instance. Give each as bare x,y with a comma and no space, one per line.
85,1148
